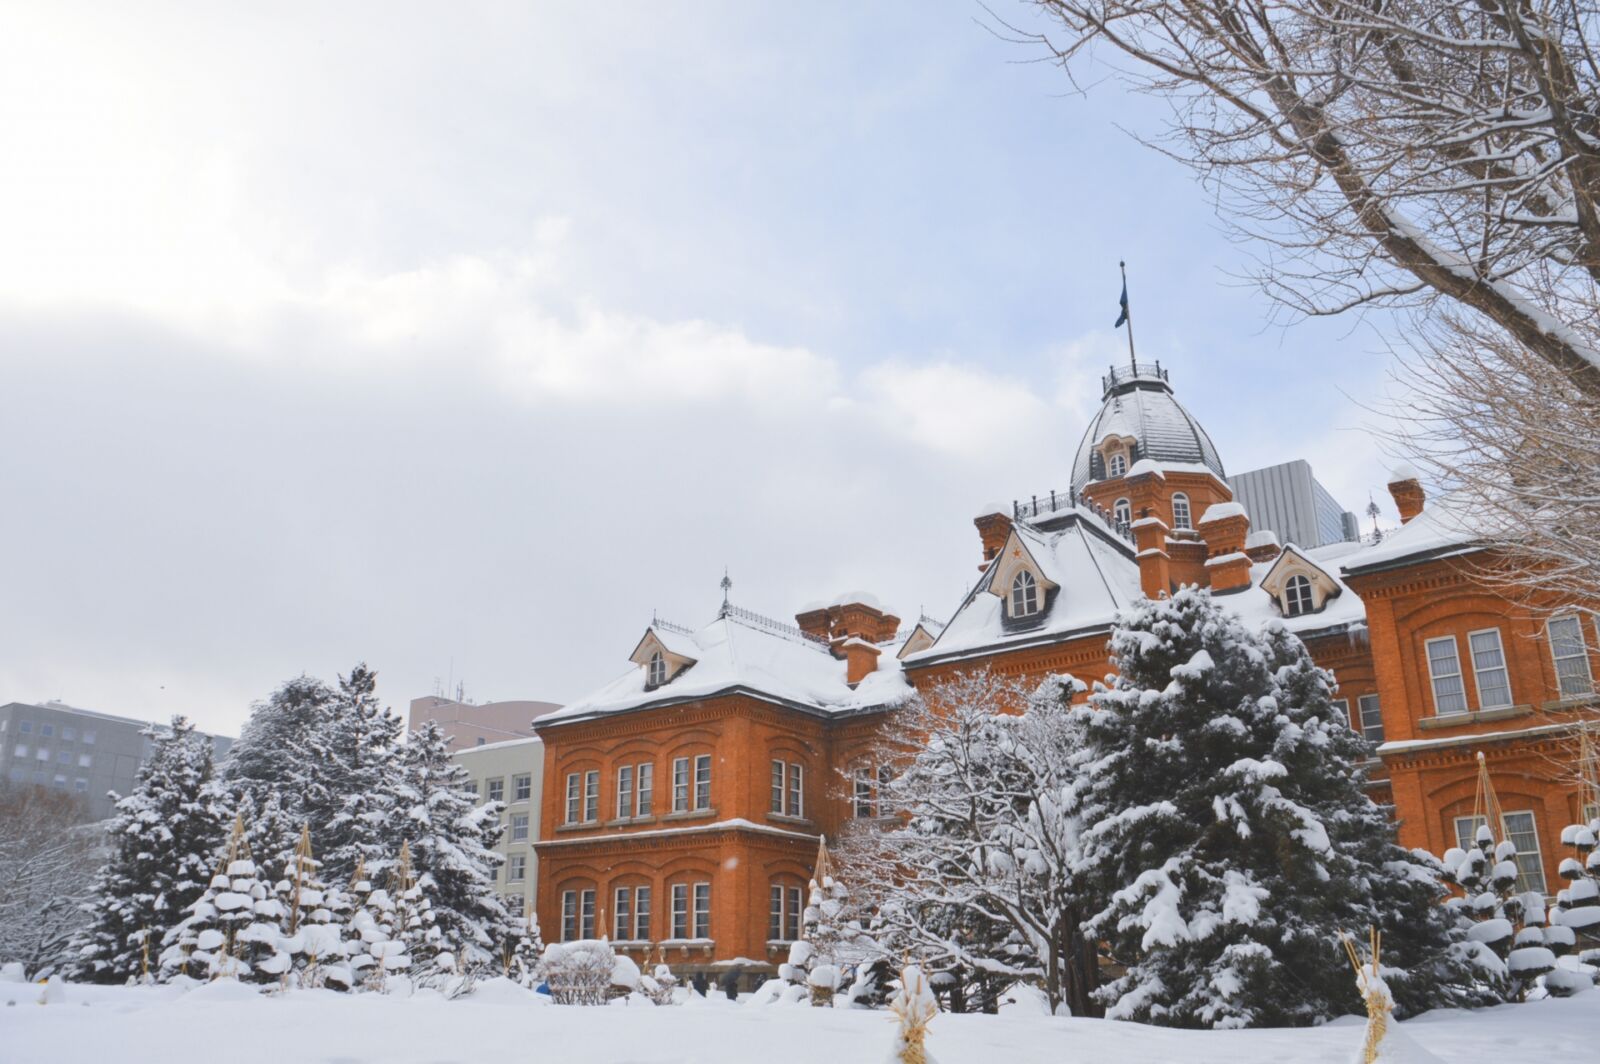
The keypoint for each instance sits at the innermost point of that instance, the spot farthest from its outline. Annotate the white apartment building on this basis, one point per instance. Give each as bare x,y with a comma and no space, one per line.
511,772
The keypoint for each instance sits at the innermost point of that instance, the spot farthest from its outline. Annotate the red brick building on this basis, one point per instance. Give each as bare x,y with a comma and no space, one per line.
684,799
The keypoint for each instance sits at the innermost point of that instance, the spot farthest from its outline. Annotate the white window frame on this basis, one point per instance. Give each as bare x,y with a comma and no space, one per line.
522,787
624,791
586,914
1024,594
569,916
641,913
1122,512
1183,518
644,782
681,781
1292,607
1343,706
519,827
496,789
591,796
796,790
779,786
1585,676
702,782
1116,465
517,868
863,800
658,669
793,918
1434,677
775,912
1504,667
1368,728
574,796
680,910
622,913
702,910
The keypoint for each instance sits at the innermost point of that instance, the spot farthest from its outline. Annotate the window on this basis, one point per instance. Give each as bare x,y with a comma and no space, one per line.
1444,665
641,913
680,910
1024,595
80,785
796,789
60,782
1571,657
481,741
42,754
1180,511
864,805
21,750
471,787
777,786
47,731
84,761
63,757
517,868
1342,705
1489,669
622,914
702,782
591,795
88,737
519,827
885,774
574,797
783,918
1297,596
1122,512
625,791
1371,718
586,923
1519,827
647,775
569,915
1117,466
521,787
658,669
497,790
680,785
66,734
25,727
702,910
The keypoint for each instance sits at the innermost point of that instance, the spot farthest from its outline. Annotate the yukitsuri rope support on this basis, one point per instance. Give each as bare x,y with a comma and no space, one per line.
1373,992
915,1006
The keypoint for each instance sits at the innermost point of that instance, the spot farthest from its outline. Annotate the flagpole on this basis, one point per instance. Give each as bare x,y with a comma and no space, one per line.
1133,363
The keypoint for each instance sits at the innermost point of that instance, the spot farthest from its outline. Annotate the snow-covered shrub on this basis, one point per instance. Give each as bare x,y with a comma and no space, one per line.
1576,915
660,986
579,973
523,947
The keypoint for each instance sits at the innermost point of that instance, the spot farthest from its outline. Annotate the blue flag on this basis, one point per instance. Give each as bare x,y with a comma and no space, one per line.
1124,301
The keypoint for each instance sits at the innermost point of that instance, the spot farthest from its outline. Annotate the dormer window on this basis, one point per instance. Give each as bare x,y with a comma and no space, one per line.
1118,465
1024,595
1297,596
657,669
1180,511
1122,511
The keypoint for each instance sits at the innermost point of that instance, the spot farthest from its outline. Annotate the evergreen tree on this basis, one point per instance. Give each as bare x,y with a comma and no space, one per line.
162,838
235,928
523,949
451,839
349,763
269,755
1229,836
373,947
314,921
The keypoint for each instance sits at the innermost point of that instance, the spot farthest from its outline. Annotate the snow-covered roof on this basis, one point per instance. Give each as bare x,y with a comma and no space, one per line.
1142,405
1096,579
1446,525
1340,610
765,659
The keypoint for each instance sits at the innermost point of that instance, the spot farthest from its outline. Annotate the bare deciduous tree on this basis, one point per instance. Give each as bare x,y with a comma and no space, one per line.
47,864
1399,152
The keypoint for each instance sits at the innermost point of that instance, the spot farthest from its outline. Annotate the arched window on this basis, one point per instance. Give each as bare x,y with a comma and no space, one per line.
1123,512
1297,596
1180,511
1117,466
1024,595
658,669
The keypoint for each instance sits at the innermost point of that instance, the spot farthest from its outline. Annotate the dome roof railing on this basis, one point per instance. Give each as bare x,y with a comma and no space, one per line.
1137,371
1030,509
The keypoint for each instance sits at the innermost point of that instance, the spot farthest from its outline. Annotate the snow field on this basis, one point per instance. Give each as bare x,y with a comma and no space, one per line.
230,1021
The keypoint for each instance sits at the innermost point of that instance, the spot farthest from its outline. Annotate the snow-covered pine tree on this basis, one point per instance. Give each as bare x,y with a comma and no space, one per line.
522,949
1514,949
376,948
451,840
314,920
234,929
826,928
269,831
351,760
415,924
268,756
1229,835
1577,908
162,838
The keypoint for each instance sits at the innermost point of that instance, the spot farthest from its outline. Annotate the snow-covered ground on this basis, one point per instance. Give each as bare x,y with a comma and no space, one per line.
226,1022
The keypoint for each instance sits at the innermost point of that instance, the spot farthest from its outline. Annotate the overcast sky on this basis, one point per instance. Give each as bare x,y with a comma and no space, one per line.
460,338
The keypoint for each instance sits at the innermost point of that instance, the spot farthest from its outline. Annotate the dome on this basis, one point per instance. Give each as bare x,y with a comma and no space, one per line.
1138,402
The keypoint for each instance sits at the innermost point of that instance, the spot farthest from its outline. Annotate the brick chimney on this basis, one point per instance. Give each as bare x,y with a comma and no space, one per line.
813,622
1262,546
1224,527
851,626
860,660
1406,490
993,528
1155,566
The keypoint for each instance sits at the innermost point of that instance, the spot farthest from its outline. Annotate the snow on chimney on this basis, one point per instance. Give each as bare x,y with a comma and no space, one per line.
1406,490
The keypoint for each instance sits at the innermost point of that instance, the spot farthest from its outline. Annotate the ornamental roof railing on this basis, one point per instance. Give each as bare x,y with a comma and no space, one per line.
1119,375
1031,509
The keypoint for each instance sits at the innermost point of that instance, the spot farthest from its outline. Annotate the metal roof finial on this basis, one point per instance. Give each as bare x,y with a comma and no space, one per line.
727,586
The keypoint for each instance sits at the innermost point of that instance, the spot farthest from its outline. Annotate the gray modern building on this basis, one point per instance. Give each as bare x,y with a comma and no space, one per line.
1287,500
78,750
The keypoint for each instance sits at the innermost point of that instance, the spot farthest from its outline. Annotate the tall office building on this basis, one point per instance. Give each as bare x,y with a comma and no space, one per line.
1287,500
76,750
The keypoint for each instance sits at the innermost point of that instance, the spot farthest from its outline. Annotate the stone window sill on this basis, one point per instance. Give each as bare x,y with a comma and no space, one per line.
625,821
582,825
1480,716
785,818
1570,703
691,814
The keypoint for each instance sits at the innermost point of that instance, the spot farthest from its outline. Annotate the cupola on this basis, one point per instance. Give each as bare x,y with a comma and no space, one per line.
1140,419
